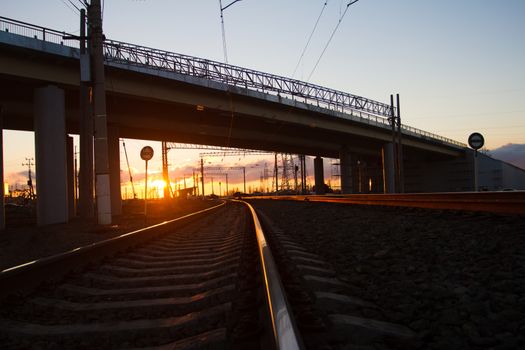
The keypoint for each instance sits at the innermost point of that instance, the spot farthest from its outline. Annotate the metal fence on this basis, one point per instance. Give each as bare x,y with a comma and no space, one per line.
37,32
242,77
350,106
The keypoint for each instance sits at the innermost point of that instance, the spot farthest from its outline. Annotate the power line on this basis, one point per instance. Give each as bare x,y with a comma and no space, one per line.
75,6
224,49
222,27
68,4
331,36
309,38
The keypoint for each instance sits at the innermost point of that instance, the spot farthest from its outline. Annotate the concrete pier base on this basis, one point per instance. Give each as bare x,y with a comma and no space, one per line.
345,159
114,170
389,169
70,161
319,175
50,154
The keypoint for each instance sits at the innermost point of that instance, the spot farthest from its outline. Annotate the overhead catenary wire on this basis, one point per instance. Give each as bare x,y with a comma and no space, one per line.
221,8
70,5
309,38
232,115
75,6
224,49
331,37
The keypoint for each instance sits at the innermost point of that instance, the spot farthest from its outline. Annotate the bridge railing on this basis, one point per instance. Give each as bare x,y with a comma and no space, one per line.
243,78
351,106
365,109
37,32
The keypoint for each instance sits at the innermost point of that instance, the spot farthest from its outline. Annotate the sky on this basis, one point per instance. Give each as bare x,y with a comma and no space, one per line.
459,66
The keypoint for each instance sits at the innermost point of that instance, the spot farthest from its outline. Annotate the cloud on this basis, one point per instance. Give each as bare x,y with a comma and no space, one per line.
512,153
18,179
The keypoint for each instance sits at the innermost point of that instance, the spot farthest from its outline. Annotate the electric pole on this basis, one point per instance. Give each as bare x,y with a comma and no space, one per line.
102,184
29,163
165,174
85,176
129,170
202,176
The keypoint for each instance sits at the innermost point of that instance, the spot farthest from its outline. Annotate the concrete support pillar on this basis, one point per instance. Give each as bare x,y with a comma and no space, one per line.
85,177
361,180
319,175
376,178
50,154
389,169
345,160
70,155
114,169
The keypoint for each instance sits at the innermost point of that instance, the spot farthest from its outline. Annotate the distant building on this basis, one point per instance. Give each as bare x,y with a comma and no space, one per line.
497,175
457,174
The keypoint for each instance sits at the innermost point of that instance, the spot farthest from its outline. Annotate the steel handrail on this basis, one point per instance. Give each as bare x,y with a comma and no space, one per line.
242,77
347,105
37,32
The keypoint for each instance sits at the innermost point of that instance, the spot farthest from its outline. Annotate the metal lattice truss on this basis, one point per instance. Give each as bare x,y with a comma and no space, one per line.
129,54
219,170
121,52
225,151
234,153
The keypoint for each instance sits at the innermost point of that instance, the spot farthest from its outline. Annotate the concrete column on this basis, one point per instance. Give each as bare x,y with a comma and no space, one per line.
70,178
50,154
85,176
114,169
389,169
362,177
345,160
319,175
375,177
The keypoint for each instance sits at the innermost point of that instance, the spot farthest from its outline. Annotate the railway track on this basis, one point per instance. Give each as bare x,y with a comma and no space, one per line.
511,202
205,281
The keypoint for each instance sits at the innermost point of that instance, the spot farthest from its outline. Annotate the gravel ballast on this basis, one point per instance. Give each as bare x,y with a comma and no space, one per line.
22,243
455,278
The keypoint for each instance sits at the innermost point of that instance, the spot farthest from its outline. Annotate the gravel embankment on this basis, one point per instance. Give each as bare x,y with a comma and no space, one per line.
456,278
23,243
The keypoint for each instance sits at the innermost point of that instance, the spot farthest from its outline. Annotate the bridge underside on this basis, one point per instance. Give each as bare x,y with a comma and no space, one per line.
150,107
147,106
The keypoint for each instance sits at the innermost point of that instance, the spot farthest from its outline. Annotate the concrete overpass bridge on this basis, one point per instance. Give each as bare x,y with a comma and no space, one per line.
159,95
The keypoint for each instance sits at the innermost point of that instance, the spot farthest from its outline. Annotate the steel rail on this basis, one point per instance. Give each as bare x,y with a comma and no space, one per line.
26,276
30,274
350,106
285,332
495,202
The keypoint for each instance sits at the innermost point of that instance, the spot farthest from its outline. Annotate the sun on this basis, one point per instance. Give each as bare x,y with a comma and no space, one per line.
159,184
